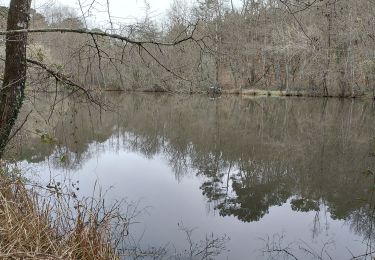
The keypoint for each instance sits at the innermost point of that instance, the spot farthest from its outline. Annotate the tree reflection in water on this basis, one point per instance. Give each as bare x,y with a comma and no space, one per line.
251,154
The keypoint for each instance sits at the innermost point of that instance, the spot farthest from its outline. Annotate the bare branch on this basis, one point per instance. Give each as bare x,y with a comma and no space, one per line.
102,34
64,79
19,128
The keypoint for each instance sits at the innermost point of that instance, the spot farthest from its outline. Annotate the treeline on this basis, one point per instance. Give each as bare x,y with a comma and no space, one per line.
320,47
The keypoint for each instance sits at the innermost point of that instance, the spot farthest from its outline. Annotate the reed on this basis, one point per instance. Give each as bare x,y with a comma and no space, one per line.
37,223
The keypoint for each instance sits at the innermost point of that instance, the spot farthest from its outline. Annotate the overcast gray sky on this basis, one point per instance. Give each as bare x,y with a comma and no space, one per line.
125,11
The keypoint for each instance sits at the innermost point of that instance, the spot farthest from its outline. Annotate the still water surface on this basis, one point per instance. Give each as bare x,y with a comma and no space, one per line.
289,171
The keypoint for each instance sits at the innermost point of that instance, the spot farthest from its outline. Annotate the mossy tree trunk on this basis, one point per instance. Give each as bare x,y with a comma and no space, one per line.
12,91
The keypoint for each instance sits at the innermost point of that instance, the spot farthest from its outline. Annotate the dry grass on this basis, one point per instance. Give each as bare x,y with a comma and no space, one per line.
44,225
273,93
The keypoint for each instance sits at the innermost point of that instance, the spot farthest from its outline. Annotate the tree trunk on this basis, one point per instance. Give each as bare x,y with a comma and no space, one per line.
12,91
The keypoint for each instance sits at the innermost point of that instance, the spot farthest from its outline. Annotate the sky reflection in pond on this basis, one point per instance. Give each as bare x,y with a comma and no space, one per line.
246,168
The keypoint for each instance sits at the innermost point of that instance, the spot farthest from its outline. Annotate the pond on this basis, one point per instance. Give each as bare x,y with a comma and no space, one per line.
256,174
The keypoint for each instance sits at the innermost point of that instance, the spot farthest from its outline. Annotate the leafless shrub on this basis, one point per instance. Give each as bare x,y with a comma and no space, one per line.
208,248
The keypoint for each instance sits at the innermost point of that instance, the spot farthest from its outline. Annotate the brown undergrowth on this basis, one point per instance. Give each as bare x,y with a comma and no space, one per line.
37,223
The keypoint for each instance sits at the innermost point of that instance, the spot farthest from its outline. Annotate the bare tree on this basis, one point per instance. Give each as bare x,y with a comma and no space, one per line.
12,91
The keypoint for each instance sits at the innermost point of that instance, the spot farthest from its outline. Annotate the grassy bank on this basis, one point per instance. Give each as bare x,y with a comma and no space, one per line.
283,93
253,92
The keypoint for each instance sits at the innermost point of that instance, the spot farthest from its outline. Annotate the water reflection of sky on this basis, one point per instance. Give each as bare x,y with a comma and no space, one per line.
167,201
292,167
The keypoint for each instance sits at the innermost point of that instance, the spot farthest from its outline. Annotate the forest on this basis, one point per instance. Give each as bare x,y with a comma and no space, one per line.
320,48
241,108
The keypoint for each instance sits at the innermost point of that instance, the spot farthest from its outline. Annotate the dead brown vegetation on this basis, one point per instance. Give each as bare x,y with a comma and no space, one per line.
43,225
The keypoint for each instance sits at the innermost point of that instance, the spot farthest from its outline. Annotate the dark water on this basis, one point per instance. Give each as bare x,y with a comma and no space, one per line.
282,172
